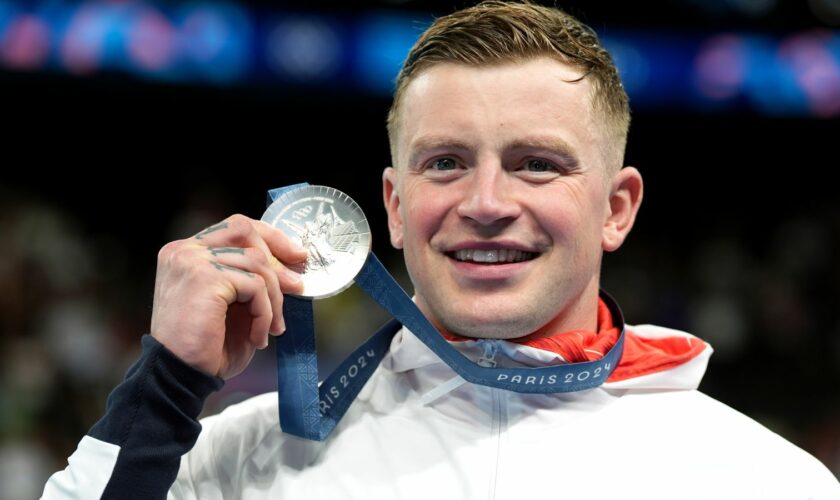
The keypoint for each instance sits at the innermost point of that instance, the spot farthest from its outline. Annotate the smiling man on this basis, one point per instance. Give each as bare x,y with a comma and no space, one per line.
507,135
504,194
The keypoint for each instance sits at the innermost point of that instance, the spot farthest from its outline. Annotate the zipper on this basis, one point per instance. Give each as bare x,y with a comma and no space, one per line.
499,411
488,359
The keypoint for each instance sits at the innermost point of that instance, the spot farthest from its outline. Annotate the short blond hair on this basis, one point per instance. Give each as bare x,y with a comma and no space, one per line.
497,32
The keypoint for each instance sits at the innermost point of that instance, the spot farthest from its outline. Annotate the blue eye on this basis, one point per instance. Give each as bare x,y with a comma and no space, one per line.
538,166
444,164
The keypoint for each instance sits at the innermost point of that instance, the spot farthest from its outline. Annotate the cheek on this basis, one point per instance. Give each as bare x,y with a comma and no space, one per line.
423,213
571,215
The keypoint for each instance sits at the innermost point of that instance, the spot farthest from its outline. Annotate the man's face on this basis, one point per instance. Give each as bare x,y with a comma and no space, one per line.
500,197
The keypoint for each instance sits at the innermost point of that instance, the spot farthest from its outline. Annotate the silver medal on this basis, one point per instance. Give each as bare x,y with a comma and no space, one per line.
332,228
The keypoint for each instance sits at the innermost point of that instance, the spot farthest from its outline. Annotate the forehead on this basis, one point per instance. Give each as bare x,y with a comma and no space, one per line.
493,104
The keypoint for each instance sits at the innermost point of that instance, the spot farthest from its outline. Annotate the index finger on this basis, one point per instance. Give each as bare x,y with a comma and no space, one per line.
281,246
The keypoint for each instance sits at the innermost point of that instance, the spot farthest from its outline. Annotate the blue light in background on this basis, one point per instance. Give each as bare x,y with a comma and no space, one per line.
215,41
383,42
815,69
720,68
305,49
657,68
151,43
218,43
770,86
7,10
94,37
632,63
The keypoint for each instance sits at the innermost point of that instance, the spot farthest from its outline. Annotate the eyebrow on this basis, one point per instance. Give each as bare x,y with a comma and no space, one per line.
548,143
555,145
428,143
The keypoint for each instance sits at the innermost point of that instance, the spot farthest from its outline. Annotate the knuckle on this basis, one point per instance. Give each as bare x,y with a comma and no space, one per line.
257,255
182,255
171,252
260,280
240,225
273,280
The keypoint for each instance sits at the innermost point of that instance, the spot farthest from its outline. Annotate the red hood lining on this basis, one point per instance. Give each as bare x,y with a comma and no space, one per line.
641,356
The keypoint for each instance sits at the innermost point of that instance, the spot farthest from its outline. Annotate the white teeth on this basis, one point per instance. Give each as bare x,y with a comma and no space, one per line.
486,255
493,256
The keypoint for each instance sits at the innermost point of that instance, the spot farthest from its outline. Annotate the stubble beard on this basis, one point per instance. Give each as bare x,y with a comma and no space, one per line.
478,322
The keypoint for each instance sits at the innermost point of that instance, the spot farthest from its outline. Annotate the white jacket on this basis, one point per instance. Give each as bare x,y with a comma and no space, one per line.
650,436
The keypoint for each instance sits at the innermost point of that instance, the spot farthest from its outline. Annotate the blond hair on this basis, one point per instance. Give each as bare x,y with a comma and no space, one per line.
498,32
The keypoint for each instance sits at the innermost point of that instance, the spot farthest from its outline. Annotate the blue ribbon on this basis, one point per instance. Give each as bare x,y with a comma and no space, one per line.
312,412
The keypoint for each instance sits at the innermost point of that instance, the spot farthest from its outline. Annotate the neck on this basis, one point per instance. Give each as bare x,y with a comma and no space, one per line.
581,314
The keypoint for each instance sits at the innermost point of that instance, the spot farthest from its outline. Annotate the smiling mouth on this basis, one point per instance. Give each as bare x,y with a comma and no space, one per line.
501,256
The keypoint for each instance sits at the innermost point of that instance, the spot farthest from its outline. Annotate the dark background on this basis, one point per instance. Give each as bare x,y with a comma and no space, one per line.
737,239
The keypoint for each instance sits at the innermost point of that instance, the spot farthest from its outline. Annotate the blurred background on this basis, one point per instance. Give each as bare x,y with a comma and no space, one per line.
127,124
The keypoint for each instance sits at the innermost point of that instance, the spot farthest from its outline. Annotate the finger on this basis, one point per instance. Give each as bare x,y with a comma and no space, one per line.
289,253
215,228
260,326
250,288
285,248
240,231
254,261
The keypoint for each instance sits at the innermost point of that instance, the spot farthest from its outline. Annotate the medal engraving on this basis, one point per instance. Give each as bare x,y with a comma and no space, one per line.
333,230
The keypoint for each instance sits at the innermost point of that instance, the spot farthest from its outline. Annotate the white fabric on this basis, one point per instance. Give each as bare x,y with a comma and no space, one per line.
652,437
88,471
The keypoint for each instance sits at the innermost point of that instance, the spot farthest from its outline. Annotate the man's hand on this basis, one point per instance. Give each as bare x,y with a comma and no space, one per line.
219,294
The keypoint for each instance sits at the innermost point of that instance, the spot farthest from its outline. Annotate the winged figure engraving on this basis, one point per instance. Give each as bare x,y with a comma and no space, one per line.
324,236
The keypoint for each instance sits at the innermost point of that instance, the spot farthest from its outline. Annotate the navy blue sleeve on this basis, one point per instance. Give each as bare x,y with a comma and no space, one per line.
153,417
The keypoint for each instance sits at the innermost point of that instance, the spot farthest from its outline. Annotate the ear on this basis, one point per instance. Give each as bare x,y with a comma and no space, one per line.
392,206
625,199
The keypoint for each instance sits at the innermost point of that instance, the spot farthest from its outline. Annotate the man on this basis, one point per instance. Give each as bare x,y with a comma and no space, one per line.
507,135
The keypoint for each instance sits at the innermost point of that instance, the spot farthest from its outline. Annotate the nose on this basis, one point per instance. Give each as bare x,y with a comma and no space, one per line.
488,198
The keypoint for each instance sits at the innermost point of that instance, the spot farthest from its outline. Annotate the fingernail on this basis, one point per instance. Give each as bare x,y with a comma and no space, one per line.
277,333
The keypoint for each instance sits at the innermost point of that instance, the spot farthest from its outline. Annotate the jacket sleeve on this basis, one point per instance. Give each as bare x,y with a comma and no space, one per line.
151,420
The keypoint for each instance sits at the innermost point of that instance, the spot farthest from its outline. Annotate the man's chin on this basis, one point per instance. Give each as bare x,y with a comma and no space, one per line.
490,327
